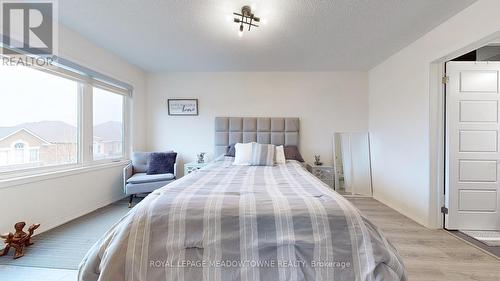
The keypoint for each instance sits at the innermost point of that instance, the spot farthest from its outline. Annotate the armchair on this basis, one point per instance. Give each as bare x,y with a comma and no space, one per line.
136,181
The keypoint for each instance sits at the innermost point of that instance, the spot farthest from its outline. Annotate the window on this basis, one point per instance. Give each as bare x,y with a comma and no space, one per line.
108,124
47,119
37,109
19,146
19,153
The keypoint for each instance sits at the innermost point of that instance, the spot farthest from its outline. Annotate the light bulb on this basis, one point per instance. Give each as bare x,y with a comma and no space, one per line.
240,34
263,21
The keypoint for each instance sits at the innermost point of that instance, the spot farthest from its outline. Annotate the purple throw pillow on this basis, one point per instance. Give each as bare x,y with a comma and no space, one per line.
161,163
292,153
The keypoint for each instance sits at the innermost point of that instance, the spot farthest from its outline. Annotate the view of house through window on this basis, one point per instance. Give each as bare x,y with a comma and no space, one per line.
38,119
108,124
40,113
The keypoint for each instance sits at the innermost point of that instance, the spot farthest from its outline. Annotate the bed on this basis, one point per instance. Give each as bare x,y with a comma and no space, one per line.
227,222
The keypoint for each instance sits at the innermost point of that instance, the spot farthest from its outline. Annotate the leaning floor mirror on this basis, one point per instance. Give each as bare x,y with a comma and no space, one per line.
352,163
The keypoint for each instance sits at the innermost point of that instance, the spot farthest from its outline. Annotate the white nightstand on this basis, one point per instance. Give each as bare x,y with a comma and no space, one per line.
324,173
193,166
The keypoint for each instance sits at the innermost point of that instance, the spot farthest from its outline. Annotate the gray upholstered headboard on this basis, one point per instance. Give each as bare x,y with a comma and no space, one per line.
278,131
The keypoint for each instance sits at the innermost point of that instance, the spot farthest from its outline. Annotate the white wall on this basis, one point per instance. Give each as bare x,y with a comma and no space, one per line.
55,201
325,102
402,116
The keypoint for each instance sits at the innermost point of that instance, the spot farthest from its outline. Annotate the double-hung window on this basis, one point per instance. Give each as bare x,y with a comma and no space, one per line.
60,118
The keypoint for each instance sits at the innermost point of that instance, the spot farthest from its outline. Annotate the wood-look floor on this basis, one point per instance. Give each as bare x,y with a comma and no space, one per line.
429,254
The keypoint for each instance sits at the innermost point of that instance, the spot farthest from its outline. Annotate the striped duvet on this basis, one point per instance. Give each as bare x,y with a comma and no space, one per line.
248,223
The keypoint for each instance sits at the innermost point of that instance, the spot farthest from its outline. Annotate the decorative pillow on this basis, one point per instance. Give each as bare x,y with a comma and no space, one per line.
230,151
161,163
243,154
292,153
140,161
280,155
262,154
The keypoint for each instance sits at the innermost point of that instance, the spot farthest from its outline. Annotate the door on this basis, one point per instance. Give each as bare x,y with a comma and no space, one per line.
472,151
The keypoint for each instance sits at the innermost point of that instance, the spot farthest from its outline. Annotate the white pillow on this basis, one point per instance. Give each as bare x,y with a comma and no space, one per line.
243,154
280,155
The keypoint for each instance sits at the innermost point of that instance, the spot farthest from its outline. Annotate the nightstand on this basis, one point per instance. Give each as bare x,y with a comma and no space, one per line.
193,166
324,173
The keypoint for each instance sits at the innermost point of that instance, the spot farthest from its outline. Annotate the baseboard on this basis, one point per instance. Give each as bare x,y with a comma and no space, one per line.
424,224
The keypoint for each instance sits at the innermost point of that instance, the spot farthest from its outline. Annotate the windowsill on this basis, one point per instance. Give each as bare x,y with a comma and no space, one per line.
17,180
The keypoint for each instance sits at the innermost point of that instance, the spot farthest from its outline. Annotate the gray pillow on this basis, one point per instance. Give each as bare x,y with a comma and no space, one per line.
292,153
161,163
140,161
231,150
262,154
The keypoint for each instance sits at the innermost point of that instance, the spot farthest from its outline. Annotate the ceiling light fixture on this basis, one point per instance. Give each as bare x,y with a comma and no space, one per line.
246,18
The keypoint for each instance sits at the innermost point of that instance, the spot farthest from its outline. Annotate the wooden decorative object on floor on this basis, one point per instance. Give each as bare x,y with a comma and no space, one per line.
19,239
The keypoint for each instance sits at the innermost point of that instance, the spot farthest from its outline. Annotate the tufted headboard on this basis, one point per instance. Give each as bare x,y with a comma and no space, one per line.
277,131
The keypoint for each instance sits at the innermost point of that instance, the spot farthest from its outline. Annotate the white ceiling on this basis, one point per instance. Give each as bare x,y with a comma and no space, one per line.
300,35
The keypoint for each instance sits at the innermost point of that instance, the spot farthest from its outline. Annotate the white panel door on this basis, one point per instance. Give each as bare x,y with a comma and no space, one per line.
472,152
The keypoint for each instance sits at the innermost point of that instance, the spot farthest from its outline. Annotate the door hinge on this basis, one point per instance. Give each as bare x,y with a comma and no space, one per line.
445,79
444,210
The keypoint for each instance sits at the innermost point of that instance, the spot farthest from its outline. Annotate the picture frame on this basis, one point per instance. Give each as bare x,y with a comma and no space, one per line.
182,107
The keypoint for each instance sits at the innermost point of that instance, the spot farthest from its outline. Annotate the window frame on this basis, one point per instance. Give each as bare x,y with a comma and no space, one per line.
86,81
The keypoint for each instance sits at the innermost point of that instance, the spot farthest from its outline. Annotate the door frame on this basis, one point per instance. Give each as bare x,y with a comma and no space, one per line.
437,129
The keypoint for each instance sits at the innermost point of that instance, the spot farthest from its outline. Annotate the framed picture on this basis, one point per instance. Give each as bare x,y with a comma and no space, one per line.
183,107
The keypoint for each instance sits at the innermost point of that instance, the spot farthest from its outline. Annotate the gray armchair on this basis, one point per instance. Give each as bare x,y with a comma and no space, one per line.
136,181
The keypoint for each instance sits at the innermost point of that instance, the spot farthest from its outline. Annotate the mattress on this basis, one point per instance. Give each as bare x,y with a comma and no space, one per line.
227,222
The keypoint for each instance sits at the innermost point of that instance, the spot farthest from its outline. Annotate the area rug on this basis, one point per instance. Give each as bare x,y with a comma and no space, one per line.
490,238
65,246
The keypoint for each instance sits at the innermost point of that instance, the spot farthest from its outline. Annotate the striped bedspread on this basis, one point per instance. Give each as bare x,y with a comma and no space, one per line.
229,223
